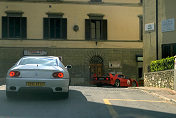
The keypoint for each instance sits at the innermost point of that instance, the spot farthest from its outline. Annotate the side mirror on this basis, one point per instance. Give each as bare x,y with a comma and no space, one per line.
68,67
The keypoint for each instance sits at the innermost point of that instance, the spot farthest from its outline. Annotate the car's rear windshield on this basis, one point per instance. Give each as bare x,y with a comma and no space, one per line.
37,60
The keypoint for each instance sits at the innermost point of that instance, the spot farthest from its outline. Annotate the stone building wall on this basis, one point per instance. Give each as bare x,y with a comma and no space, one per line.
79,59
161,79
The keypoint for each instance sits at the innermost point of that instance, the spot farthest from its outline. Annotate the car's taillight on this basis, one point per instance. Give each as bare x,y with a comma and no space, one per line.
58,75
14,74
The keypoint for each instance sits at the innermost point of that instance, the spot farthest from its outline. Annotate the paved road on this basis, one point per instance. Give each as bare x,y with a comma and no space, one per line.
88,102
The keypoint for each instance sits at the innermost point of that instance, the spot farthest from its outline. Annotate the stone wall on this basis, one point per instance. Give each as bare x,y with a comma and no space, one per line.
79,59
161,79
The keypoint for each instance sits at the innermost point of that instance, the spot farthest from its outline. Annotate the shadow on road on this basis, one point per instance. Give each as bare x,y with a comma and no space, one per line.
76,106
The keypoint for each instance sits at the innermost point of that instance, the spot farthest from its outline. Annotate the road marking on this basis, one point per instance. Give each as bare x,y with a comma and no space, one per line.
114,113
130,100
106,101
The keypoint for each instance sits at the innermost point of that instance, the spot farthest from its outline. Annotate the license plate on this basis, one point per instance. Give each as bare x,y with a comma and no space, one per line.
101,78
35,83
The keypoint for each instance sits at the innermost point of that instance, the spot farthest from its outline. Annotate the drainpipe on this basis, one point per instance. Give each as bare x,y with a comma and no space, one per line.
156,29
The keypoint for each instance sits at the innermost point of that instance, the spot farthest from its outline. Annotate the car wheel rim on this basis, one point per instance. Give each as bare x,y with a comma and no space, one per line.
134,84
117,83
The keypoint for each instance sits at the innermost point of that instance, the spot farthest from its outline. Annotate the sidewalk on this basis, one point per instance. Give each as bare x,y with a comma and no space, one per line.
163,93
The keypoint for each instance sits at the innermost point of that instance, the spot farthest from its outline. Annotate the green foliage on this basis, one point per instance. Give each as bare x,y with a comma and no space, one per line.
163,64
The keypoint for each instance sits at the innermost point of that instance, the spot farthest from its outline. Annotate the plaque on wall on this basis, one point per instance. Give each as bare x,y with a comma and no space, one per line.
35,53
168,25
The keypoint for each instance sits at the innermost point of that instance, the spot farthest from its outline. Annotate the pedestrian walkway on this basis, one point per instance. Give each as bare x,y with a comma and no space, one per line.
163,93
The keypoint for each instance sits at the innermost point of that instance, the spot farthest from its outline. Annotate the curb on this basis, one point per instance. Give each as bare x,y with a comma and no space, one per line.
155,94
161,97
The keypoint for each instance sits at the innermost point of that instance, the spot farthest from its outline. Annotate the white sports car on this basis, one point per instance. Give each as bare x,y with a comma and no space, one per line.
38,72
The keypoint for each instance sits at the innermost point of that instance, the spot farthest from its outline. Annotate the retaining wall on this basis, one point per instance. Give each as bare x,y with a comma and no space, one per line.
161,79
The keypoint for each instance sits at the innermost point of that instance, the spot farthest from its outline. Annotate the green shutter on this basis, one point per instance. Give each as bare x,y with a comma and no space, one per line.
4,27
104,30
23,27
87,29
46,28
64,28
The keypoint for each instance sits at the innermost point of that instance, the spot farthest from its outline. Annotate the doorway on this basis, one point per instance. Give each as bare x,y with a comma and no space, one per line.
96,66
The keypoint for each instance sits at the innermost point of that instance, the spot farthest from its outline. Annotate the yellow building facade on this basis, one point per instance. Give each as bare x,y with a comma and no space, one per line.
94,36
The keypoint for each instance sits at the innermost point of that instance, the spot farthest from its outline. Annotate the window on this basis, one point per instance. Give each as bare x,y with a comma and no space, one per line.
141,27
121,76
40,61
55,28
95,29
140,71
168,50
14,27
141,1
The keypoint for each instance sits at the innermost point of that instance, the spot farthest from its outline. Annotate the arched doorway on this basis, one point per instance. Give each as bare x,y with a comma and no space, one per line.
96,66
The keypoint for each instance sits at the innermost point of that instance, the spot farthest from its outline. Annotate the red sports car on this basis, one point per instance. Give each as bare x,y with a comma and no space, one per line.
116,80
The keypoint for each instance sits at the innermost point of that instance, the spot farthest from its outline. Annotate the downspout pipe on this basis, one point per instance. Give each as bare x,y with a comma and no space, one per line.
156,29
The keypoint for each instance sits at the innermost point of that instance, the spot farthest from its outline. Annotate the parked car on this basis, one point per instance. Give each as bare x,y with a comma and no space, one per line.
116,80
38,72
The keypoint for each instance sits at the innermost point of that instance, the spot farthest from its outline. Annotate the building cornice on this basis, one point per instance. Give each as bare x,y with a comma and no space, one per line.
82,3
70,44
70,40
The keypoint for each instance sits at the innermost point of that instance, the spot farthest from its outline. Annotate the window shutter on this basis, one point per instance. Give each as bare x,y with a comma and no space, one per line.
45,28
4,27
64,28
104,30
23,27
87,29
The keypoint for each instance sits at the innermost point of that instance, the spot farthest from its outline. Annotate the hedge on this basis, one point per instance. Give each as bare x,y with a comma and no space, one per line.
163,64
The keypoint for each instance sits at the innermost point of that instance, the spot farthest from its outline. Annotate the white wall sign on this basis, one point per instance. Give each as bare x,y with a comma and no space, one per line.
149,27
139,58
34,52
168,25
114,64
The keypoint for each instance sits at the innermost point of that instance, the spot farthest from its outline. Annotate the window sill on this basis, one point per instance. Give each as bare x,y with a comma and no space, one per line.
13,38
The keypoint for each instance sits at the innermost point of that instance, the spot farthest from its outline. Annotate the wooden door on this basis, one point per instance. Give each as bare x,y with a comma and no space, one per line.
96,69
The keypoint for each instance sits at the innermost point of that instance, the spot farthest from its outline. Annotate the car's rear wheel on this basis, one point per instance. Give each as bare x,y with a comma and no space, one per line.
134,84
10,94
99,85
117,83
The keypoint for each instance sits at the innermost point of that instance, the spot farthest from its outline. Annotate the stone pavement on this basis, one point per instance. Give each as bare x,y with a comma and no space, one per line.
163,93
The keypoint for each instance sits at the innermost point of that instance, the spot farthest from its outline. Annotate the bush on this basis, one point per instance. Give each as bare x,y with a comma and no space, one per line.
163,64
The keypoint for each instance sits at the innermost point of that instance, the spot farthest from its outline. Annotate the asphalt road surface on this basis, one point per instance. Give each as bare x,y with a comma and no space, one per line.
87,102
